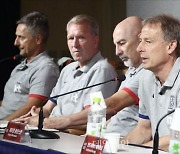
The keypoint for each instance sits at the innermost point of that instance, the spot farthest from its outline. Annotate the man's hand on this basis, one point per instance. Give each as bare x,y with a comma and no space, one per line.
24,118
32,120
163,143
33,112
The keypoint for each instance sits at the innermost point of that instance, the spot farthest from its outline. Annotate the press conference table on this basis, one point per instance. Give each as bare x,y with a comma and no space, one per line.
69,143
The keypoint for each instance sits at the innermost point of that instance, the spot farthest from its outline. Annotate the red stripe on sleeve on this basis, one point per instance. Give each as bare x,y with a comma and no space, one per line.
133,95
38,96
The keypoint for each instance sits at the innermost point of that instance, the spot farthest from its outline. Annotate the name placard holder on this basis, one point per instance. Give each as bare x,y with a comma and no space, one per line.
14,131
93,144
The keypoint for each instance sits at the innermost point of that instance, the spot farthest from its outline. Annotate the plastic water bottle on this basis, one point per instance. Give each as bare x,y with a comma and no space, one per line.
174,146
96,118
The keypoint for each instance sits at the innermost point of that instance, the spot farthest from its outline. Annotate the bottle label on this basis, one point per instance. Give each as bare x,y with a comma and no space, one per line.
94,129
103,128
174,147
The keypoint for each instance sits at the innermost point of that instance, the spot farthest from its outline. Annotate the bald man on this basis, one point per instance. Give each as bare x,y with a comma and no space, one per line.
126,40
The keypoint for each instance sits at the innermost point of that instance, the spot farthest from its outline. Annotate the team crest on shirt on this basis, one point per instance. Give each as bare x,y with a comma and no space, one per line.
172,103
17,88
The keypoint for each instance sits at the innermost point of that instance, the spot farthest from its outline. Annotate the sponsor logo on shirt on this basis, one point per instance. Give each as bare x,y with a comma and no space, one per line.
17,88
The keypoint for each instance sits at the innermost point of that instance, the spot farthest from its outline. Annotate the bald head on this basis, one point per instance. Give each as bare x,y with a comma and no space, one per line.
129,26
126,40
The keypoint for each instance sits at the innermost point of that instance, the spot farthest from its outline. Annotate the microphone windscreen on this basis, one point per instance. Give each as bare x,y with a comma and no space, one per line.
17,57
121,77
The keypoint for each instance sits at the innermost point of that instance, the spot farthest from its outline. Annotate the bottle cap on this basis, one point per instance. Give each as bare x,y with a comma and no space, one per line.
175,125
96,99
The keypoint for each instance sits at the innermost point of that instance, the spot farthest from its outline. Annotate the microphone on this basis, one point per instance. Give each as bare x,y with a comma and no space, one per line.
119,78
43,134
16,57
156,135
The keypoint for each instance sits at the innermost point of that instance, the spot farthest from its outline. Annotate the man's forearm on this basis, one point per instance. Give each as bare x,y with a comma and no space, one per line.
17,114
79,118
65,122
113,107
117,102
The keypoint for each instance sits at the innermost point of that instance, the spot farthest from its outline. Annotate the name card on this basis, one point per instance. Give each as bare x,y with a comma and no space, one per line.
93,144
14,131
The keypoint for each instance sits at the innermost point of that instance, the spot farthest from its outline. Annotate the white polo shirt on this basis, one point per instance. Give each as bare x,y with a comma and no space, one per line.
157,100
72,78
33,79
126,119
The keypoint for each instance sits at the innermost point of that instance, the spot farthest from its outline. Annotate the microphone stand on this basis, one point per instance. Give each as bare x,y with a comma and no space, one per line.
40,133
43,134
156,135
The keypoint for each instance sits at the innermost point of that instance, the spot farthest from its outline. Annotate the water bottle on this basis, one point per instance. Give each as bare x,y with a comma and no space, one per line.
174,146
96,118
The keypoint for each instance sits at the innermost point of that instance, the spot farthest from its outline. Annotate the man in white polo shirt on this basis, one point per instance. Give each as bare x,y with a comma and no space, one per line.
159,89
126,40
31,81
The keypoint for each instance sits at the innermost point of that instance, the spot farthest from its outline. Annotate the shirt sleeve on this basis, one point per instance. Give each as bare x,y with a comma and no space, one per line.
143,113
131,85
43,80
132,94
